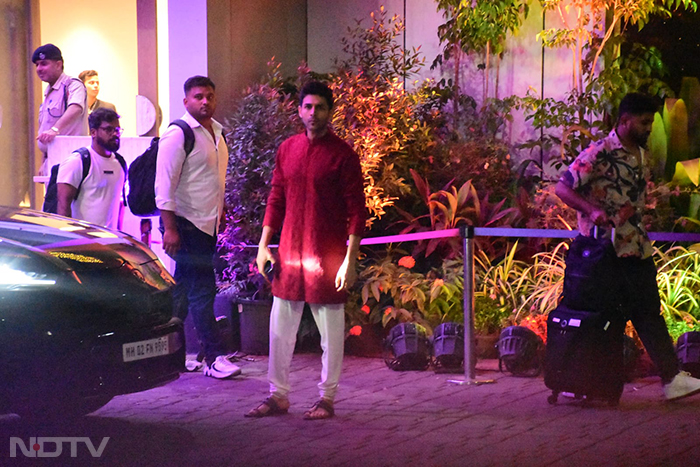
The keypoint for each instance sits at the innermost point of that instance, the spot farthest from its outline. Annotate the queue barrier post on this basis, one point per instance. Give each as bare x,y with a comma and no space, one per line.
467,234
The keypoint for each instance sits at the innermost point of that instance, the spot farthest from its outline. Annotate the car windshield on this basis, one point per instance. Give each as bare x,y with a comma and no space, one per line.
72,240
40,231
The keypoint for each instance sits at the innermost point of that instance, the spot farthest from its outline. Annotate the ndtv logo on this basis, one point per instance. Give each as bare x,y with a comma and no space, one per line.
37,446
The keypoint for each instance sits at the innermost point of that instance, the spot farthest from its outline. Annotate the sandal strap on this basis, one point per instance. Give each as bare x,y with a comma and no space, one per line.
271,403
324,405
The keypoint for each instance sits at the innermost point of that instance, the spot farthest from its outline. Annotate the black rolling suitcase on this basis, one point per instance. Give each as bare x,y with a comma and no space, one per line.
584,351
584,355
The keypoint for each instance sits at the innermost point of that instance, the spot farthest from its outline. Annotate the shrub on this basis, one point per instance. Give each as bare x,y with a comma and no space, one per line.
259,123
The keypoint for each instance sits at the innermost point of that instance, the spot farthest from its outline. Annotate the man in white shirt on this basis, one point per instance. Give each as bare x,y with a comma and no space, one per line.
64,110
190,196
95,199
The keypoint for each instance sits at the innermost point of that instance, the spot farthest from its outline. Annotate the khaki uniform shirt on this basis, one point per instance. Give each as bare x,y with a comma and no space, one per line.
64,92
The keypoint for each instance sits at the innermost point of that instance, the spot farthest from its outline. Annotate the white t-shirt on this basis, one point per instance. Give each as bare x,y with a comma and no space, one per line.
100,194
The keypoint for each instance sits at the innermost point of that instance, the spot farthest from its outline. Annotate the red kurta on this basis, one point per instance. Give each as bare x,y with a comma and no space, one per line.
317,198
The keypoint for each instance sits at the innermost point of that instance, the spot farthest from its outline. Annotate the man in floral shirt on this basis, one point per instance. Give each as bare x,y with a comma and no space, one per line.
606,184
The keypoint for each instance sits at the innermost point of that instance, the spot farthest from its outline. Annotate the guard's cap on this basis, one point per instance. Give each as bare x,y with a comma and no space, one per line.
47,52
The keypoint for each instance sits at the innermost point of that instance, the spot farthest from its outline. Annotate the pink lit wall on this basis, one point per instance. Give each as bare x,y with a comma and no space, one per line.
187,44
520,69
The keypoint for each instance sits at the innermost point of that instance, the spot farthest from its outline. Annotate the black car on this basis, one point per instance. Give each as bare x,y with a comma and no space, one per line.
85,314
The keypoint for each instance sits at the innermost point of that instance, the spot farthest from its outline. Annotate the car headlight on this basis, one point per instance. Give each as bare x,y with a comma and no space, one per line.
13,278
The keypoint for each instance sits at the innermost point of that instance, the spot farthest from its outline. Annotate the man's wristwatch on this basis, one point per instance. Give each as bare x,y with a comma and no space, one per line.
55,130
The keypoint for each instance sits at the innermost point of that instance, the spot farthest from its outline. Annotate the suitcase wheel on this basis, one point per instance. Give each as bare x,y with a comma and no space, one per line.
552,398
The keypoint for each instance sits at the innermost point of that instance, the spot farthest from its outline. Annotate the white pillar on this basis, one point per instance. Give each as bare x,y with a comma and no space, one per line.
187,44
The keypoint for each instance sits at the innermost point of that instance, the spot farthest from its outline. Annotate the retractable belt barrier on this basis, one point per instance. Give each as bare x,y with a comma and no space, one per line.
467,233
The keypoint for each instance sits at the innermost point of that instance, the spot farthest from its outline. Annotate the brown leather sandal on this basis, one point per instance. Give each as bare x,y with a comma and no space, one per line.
321,404
273,408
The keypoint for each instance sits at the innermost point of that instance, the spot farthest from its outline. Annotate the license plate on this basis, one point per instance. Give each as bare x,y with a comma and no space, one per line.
133,351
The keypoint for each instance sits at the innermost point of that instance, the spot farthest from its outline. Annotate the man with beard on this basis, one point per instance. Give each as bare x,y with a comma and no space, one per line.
606,184
190,196
96,197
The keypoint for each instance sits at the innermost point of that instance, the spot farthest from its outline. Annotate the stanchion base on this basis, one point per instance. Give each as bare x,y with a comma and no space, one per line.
471,382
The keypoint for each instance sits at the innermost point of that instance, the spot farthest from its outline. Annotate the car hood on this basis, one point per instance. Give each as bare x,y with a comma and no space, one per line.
78,245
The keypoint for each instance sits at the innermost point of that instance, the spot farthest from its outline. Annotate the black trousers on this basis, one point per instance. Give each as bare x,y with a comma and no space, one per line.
639,295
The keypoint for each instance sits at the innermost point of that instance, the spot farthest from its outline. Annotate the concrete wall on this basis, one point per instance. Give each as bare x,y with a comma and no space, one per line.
17,101
520,68
329,21
243,36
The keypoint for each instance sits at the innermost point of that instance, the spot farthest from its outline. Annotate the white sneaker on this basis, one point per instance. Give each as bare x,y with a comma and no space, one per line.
193,365
682,385
221,368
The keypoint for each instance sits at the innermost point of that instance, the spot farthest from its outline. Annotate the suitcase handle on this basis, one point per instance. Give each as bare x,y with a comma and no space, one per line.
597,234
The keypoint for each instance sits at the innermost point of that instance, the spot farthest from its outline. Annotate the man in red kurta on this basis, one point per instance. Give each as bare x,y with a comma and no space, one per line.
317,199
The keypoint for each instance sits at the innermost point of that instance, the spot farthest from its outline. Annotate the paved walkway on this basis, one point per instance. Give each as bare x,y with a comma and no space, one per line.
383,418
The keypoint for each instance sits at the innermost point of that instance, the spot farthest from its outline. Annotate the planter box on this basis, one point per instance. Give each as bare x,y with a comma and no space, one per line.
370,342
254,318
486,345
227,322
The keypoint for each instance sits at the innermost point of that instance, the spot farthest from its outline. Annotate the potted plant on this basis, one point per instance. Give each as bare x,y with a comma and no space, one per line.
262,119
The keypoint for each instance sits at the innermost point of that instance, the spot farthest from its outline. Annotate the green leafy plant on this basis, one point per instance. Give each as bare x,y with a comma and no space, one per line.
448,209
596,23
679,284
479,27
261,120
446,293
373,111
391,290
564,127
505,283
546,277
489,315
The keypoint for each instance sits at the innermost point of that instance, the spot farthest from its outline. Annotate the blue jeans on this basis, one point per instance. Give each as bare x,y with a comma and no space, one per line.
195,285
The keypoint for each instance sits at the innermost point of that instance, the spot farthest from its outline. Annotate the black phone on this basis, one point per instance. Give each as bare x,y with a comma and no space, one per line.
270,270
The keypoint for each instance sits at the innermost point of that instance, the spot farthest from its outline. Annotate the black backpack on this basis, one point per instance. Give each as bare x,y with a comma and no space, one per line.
142,174
51,197
591,282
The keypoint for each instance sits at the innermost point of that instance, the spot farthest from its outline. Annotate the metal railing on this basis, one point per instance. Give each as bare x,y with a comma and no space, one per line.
468,233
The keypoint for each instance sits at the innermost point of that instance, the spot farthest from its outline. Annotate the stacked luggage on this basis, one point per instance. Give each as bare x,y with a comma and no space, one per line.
584,351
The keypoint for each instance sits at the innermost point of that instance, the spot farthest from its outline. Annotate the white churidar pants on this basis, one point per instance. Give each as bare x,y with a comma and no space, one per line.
284,323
